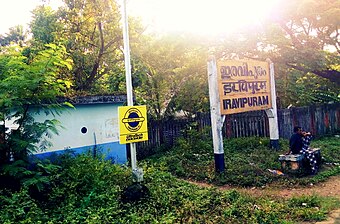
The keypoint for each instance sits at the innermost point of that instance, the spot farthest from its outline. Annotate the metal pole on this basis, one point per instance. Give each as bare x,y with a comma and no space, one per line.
128,79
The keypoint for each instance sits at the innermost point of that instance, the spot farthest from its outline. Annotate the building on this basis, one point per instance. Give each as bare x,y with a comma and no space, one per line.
91,127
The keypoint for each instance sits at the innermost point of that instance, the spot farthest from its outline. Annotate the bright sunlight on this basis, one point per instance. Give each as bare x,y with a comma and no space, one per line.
205,17
18,12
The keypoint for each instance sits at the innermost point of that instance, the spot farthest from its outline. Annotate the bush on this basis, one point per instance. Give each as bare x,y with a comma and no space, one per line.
19,206
83,189
89,190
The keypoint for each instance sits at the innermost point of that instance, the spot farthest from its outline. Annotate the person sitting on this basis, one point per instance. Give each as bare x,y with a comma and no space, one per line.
299,144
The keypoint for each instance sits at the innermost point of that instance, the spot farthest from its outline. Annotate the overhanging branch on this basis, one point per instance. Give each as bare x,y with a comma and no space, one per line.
331,75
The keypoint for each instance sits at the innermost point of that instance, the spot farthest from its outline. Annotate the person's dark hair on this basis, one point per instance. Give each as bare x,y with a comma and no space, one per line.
296,128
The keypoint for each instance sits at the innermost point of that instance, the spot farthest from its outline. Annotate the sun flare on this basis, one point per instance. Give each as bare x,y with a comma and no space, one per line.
19,12
206,17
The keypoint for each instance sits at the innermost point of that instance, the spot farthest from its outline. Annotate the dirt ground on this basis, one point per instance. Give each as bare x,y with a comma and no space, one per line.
331,188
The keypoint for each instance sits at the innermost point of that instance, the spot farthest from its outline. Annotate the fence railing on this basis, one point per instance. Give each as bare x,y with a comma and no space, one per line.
320,120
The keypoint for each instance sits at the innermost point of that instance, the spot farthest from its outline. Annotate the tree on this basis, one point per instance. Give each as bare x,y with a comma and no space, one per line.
311,27
15,35
44,26
302,40
193,95
93,38
23,86
171,66
92,34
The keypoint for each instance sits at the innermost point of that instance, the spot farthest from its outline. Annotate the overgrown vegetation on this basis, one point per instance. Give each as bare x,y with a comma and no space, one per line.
169,75
89,190
247,161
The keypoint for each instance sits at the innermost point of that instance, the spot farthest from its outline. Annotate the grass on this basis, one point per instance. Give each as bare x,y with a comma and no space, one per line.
247,161
330,147
89,190
80,196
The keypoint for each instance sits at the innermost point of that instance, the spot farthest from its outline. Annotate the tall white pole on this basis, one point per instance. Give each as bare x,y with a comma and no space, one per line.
272,113
216,118
128,77
127,56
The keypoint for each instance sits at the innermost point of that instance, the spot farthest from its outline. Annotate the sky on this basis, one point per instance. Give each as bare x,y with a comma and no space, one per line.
17,12
207,17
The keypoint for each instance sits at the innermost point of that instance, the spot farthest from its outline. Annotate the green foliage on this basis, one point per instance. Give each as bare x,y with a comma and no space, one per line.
302,89
304,60
191,157
309,208
169,72
36,177
301,41
44,26
330,148
247,161
19,207
16,35
24,85
88,190
92,33
174,75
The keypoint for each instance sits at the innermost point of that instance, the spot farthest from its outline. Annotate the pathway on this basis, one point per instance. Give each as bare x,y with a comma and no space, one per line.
329,188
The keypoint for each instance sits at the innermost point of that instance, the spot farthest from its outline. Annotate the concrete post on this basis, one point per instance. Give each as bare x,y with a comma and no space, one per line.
272,113
216,118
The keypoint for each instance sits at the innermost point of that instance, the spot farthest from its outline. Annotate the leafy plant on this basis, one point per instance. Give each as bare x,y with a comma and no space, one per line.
19,207
24,85
90,190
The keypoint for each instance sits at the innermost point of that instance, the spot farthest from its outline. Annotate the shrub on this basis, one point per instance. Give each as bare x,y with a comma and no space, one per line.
19,206
89,190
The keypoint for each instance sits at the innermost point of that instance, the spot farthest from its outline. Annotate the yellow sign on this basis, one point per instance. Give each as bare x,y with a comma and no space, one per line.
243,86
132,124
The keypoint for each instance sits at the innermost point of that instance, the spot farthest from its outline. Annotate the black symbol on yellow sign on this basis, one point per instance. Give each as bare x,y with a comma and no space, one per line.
133,119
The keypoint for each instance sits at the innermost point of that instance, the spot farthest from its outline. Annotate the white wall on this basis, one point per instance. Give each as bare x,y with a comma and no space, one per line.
100,120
